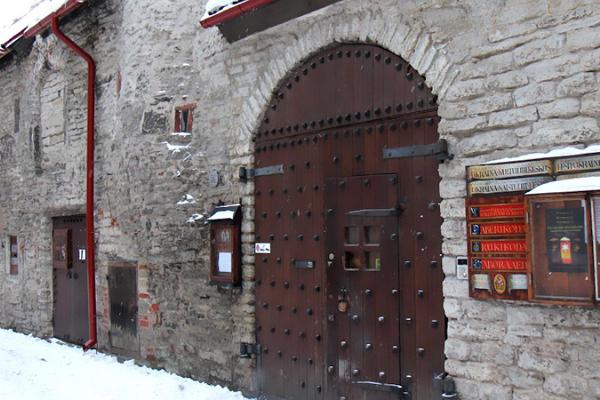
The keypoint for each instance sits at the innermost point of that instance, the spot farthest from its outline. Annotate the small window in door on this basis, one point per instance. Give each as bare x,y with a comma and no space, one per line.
351,235
373,261
352,261
372,235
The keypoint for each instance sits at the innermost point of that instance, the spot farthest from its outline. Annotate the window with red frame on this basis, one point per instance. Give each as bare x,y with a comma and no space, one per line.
184,118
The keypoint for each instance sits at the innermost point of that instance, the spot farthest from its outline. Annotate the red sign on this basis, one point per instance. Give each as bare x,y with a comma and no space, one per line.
496,229
499,246
500,264
497,211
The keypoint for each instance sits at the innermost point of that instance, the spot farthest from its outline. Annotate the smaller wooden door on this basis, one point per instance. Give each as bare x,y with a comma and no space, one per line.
363,287
122,291
69,262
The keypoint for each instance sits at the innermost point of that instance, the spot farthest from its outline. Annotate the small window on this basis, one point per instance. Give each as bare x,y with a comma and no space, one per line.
373,259
13,255
184,118
372,235
351,234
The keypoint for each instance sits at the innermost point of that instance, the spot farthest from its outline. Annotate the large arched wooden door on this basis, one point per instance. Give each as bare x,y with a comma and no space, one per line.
349,298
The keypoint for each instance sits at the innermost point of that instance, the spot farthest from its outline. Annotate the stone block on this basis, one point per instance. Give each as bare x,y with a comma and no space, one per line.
456,288
489,103
456,349
474,390
577,85
562,131
452,208
514,117
486,142
565,384
507,80
535,93
454,229
563,108
539,49
587,38
590,104
452,188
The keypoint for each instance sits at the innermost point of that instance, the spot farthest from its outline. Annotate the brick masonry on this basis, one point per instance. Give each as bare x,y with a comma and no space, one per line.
512,77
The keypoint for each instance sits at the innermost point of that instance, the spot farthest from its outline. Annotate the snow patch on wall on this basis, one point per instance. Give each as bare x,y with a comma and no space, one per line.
562,152
586,184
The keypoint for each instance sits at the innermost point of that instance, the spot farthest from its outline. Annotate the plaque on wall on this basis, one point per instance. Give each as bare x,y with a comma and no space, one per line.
563,241
497,247
560,248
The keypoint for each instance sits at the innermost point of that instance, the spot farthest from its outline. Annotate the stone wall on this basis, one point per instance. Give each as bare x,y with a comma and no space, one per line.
512,77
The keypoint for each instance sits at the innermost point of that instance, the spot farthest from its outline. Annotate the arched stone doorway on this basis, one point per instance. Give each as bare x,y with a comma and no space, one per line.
349,296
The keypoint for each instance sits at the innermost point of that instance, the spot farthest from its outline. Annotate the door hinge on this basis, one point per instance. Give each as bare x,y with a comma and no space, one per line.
439,150
248,349
251,173
375,212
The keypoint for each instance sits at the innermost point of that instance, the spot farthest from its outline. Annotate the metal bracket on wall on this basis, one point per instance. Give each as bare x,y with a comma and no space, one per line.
251,173
439,150
247,349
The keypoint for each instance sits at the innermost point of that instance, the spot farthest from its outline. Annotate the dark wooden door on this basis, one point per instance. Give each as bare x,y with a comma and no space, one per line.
363,289
332,121
70,279
122,293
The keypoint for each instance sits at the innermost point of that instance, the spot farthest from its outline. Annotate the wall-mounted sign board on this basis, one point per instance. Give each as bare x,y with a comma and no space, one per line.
497,247
501,248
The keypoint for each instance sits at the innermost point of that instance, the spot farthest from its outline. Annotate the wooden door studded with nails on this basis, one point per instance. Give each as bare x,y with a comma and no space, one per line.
349,298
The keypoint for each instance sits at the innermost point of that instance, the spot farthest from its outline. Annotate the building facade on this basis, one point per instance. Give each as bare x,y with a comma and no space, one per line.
494,79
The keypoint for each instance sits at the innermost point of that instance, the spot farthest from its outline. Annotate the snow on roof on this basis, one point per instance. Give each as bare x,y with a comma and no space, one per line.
224,212
17,16
562,152
586,184
221,215
216,6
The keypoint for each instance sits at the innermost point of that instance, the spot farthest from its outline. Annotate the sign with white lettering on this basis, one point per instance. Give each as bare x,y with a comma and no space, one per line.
517,282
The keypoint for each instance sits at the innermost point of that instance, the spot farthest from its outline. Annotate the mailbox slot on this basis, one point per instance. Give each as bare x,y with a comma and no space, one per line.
225,249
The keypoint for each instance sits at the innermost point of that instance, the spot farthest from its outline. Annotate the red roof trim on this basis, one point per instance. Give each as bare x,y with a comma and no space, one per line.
233,12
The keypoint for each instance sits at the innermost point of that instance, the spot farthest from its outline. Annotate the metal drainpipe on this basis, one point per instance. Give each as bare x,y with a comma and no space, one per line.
89,209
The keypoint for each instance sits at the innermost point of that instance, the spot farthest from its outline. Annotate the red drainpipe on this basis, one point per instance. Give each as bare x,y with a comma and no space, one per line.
89,208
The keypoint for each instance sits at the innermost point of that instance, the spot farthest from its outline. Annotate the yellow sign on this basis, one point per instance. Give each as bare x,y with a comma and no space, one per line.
507,185
512,170
577,164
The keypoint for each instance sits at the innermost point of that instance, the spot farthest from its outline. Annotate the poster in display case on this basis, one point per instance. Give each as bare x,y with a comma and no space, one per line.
595,206
559,237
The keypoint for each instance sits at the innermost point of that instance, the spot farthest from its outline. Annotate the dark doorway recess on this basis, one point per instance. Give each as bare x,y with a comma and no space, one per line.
349,301
69,262
123,295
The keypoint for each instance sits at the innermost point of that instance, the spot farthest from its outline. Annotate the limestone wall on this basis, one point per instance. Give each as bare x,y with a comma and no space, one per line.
512,77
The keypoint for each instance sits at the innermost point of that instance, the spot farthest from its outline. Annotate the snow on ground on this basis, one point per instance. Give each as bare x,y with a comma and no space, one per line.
34,369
